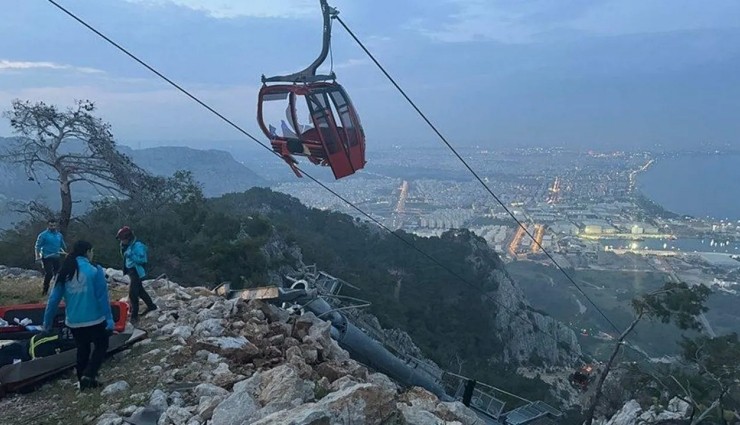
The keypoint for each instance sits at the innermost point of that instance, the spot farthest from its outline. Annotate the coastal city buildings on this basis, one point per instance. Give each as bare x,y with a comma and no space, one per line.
584,207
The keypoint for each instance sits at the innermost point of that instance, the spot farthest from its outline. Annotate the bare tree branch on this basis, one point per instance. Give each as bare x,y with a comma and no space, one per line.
34,210
78,147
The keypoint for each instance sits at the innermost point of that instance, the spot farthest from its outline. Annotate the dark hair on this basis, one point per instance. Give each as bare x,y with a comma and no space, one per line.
52,221
69,266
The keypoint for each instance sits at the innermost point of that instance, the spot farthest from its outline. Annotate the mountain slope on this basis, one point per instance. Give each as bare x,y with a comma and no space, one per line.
474,320
411,292
209,360
216,170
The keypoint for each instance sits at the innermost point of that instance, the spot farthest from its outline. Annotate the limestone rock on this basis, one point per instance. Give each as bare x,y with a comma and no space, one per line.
360,404
207,405
210,328
115,388
175,416
239,408
210,390
110,419
627,415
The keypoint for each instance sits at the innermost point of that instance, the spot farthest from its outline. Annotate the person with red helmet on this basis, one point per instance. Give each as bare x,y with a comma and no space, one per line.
134,254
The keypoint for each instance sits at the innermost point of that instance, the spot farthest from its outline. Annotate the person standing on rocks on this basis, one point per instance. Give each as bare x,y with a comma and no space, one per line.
49,246
87,313
134,254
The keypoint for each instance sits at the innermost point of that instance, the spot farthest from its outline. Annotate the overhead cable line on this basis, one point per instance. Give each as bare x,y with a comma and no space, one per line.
334,193
477,177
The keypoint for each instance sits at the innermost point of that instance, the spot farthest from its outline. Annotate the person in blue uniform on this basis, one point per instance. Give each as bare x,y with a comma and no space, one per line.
49,247
134,254
88,314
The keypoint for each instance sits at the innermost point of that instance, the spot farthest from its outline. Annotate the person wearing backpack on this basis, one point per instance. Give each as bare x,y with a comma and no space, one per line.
134,254
87,313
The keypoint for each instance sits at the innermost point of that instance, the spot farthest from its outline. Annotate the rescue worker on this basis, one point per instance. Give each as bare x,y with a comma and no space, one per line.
87,312
134,254
49,246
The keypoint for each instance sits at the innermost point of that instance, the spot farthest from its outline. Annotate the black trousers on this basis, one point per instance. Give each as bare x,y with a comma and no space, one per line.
135,291
51,267
96,335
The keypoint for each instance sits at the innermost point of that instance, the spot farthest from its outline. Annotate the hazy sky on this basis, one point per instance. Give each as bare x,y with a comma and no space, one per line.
567,72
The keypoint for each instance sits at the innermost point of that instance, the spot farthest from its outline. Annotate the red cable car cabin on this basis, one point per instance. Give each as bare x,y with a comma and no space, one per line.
331,133
334,135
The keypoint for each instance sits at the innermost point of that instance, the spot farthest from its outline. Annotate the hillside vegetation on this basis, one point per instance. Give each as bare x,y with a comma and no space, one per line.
249,238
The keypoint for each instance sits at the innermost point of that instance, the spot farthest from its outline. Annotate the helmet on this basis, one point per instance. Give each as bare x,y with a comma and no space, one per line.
124,232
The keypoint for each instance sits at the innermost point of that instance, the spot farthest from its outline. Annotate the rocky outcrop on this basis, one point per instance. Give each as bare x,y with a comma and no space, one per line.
17,273
284,259
677,411
530,336
527,336
254,363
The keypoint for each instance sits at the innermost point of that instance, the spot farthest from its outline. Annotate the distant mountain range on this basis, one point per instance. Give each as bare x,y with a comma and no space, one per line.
217,172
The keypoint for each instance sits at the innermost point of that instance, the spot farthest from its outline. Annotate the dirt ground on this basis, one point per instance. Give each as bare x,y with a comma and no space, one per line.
57,400
28,291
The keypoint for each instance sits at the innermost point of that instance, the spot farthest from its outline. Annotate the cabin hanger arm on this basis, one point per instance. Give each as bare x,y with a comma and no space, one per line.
308,75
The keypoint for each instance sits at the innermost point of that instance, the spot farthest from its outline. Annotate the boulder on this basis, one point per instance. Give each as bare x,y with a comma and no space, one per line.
457,412
359,404
217,344
207,405
413,415
239,408
158,400
115,388
210,328
282,386
175,416
627,415
210,390
109,419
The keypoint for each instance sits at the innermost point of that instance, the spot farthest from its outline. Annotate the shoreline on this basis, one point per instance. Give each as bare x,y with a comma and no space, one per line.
634,190
635,173
638,191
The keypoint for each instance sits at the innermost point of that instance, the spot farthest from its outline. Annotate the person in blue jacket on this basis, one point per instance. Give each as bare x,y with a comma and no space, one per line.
87,313
134,254
49,246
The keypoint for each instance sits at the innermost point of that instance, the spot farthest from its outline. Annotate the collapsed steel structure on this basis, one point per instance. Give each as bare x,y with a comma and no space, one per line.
317,293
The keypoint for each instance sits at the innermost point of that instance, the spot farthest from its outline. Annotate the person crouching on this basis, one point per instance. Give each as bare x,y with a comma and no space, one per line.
87,313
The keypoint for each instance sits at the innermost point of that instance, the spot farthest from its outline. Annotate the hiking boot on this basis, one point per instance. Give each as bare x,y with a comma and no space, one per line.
149,310
87,383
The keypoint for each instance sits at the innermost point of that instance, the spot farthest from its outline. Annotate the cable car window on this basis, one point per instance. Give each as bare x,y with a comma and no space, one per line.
318,104
276,114
343,110
303,115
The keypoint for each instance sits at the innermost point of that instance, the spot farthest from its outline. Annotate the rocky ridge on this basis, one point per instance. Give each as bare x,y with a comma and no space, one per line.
232,362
